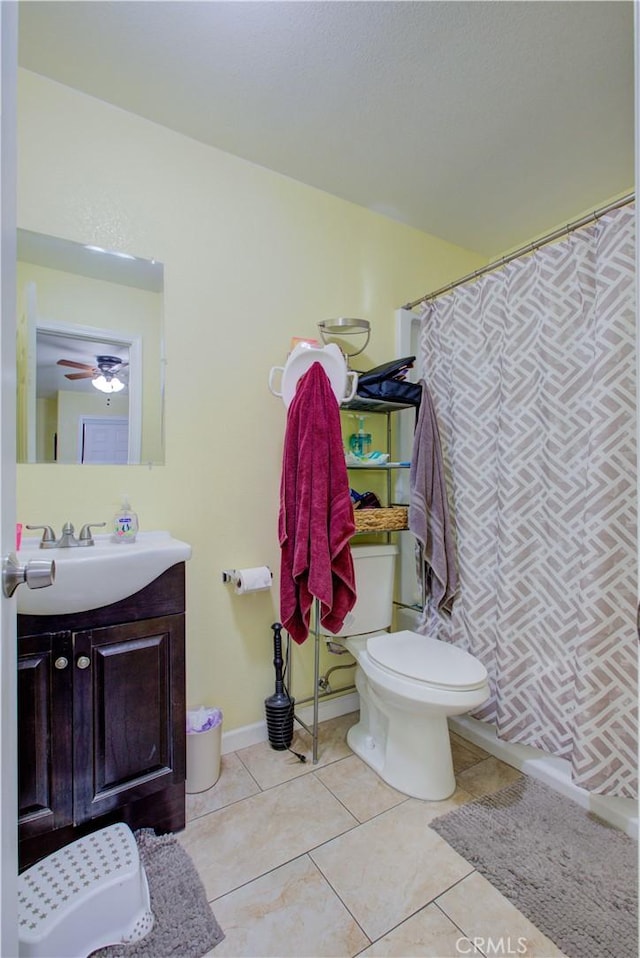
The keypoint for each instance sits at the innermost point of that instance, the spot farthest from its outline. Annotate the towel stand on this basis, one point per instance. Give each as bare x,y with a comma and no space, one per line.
312,729
357,404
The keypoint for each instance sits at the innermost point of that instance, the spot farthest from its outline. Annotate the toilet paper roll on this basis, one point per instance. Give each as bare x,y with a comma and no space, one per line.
253,580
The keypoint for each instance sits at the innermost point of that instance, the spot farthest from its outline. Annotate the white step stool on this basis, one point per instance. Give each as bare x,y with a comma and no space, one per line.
89,894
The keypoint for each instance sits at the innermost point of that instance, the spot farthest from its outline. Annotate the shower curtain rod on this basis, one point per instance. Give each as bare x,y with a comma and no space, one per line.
529,248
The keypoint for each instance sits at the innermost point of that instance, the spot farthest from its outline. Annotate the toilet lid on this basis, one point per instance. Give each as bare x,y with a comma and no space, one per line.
427,660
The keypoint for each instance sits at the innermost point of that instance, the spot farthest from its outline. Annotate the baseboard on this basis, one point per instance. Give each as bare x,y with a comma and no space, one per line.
330,708
622,813
243,737
247,735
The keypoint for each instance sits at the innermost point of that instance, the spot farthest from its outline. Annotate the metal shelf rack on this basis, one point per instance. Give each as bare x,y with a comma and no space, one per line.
357,404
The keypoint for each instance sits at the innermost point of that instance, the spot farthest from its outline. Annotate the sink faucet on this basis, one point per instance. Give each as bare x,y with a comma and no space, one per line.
67,540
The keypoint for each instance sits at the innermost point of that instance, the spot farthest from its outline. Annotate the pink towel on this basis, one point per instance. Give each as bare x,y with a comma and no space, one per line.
316,514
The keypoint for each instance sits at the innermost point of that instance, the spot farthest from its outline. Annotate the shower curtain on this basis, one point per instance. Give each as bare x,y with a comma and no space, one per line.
532,373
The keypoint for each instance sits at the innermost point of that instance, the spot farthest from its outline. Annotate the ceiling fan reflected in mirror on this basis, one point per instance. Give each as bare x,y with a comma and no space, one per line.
103,375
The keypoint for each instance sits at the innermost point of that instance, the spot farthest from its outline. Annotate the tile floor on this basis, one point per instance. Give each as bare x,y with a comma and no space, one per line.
319,860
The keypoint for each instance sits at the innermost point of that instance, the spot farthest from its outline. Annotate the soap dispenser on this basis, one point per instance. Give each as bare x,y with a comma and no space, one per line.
360,441
125,523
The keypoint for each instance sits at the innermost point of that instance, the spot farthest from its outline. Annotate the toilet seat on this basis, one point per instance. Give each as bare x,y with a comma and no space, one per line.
428,661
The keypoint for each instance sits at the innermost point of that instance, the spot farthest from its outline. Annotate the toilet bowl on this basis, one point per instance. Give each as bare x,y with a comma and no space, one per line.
408,685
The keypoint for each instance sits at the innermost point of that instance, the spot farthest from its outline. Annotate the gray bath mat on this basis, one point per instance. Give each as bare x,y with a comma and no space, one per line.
185,926
572,875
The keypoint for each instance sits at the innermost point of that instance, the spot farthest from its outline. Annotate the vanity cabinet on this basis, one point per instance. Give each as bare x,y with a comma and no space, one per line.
101,718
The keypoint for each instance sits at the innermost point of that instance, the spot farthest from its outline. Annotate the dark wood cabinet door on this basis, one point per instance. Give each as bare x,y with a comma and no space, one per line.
102,736
129,713
45,793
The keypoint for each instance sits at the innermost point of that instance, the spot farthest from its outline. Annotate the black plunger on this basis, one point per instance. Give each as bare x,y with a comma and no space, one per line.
279,707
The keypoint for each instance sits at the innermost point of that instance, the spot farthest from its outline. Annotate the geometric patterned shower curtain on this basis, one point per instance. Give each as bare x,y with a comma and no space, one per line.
532,372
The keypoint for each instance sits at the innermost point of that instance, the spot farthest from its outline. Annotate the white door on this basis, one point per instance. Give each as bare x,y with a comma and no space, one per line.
8,663
104,439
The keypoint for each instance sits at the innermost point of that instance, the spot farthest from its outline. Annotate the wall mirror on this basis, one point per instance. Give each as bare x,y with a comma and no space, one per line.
90,354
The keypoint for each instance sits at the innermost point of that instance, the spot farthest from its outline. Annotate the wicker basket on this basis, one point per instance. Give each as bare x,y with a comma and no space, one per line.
381,520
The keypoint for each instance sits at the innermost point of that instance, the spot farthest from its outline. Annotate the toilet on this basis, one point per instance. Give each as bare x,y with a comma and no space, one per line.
408,685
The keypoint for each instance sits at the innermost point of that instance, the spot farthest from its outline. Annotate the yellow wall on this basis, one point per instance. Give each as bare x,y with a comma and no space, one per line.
46,428
251,259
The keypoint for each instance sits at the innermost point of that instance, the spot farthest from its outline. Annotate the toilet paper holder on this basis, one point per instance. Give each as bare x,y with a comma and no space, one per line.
233,576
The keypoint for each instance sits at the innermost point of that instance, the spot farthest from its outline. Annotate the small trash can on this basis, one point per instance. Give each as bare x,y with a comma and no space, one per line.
204,737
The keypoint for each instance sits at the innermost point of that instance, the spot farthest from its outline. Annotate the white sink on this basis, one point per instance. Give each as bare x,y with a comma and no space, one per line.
89,577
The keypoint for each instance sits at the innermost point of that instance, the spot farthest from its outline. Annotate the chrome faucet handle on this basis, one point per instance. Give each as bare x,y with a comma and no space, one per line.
48,540
86,538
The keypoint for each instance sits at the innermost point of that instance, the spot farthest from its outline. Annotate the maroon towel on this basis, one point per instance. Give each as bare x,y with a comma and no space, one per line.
316,514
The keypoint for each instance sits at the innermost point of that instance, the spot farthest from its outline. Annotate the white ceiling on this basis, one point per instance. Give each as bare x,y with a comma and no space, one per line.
484,123
92,261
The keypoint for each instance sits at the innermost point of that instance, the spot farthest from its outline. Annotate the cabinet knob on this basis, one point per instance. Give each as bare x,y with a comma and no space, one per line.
61,662
83,662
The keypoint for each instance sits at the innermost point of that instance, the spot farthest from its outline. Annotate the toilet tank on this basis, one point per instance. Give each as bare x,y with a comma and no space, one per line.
374,569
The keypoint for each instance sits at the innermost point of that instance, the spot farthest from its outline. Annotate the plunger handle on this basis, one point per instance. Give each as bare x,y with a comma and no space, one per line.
278,661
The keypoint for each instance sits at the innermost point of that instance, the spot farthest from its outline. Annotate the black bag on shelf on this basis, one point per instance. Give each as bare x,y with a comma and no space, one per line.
387,383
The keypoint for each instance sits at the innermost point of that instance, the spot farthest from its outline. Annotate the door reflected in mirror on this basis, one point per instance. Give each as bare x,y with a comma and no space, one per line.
89,354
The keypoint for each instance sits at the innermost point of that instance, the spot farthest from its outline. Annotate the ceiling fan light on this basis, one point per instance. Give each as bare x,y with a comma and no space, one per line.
107,384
